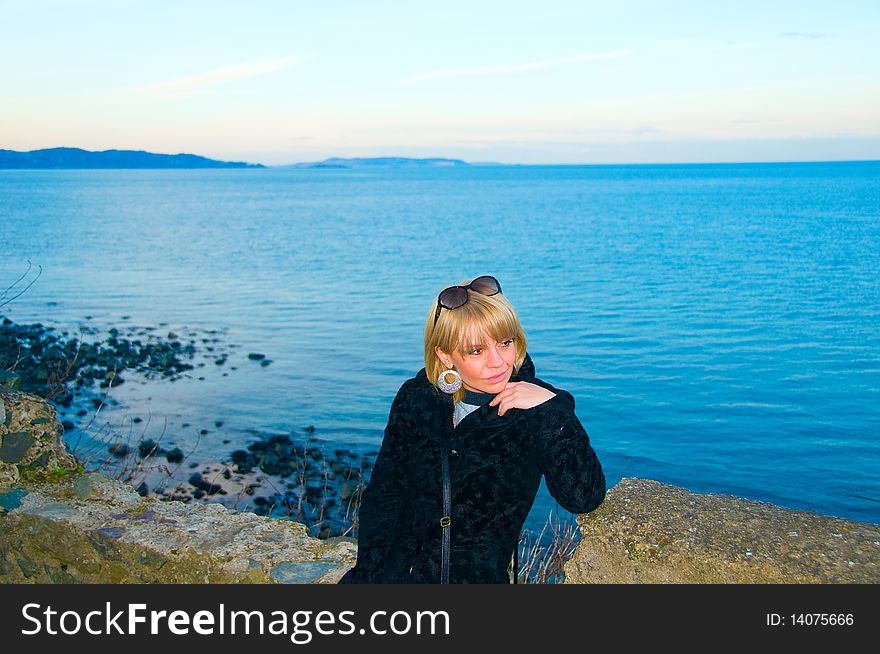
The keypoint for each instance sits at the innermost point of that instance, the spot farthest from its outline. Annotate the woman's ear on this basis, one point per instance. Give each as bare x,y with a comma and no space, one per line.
444,358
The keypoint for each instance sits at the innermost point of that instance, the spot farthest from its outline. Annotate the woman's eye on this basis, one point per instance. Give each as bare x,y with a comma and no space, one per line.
507,342
475,352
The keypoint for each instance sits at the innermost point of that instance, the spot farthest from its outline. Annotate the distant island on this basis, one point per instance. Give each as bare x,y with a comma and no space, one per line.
77,158
393,162
55,158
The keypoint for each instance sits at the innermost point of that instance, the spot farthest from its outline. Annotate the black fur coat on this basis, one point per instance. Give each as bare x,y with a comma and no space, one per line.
496,463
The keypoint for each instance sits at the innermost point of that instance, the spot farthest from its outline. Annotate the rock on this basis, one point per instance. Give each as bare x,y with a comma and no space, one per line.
147,448
648,532
12,499
120,537
119,450
31,447
306,572
348,489
175,455
15,446
209,488
256,356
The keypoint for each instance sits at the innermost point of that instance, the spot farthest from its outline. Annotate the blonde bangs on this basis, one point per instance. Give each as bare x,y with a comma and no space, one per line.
477,319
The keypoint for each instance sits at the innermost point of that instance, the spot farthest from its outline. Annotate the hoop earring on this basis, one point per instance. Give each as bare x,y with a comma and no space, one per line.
449,387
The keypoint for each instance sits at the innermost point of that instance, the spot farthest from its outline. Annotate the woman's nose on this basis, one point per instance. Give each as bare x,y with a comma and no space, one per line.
495,358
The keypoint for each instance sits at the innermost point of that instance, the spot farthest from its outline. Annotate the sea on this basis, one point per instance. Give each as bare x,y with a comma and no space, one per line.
717,325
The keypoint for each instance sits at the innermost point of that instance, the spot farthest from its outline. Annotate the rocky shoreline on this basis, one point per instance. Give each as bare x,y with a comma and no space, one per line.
278,475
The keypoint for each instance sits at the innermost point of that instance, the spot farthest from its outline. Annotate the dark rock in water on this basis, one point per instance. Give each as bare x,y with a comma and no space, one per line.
175,455
272,464
198,493
82,412
348,490
244,460
147,448
261,501
119,450
218,423
204,432
15,446
265,362
143,490
137,420
227,474
256,356
192,465
199,482
68,425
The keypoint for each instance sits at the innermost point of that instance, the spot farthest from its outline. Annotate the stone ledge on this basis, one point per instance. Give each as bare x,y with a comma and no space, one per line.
648,532
91,529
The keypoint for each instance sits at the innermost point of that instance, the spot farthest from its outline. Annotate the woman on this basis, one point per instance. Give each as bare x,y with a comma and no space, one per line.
467,441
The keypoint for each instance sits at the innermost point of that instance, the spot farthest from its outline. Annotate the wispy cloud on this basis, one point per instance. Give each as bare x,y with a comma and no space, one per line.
517,69
803,35
192,83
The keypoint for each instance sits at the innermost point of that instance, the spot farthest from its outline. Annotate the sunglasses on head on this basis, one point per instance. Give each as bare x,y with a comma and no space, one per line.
456,296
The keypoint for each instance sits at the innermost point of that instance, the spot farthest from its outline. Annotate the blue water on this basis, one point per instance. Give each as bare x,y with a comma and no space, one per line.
718,325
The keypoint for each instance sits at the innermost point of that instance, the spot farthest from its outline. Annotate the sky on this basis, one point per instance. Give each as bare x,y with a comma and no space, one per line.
578,81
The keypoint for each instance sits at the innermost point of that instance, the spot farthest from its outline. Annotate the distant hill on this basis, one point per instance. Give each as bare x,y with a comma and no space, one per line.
77,158
393,162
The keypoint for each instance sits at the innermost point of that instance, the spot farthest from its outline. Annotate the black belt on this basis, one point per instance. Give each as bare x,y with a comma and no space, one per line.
446,520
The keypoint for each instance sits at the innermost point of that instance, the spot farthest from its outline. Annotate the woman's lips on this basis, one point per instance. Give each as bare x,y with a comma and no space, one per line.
497,378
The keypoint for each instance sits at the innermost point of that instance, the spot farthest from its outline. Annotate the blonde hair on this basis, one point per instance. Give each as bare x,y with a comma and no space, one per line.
464,328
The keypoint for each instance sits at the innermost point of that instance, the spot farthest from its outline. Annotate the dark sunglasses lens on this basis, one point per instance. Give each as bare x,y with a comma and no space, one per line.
453,297
487,285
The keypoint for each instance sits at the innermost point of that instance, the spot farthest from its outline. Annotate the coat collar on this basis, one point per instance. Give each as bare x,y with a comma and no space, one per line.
436,407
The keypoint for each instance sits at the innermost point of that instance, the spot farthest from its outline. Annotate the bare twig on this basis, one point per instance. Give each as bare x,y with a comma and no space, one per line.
4,296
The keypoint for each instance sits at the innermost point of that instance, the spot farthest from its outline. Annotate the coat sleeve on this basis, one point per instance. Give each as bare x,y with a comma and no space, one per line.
384,544
571,468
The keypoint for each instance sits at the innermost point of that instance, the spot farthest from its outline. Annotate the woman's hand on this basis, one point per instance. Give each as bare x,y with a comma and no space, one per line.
520,395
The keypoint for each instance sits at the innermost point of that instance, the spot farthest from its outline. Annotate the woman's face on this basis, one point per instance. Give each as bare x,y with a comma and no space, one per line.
486,368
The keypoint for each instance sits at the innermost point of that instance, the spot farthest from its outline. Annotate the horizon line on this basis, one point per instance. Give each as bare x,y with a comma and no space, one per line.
469,163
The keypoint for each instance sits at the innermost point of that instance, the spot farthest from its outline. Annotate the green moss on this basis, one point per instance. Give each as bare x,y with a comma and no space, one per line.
51,475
